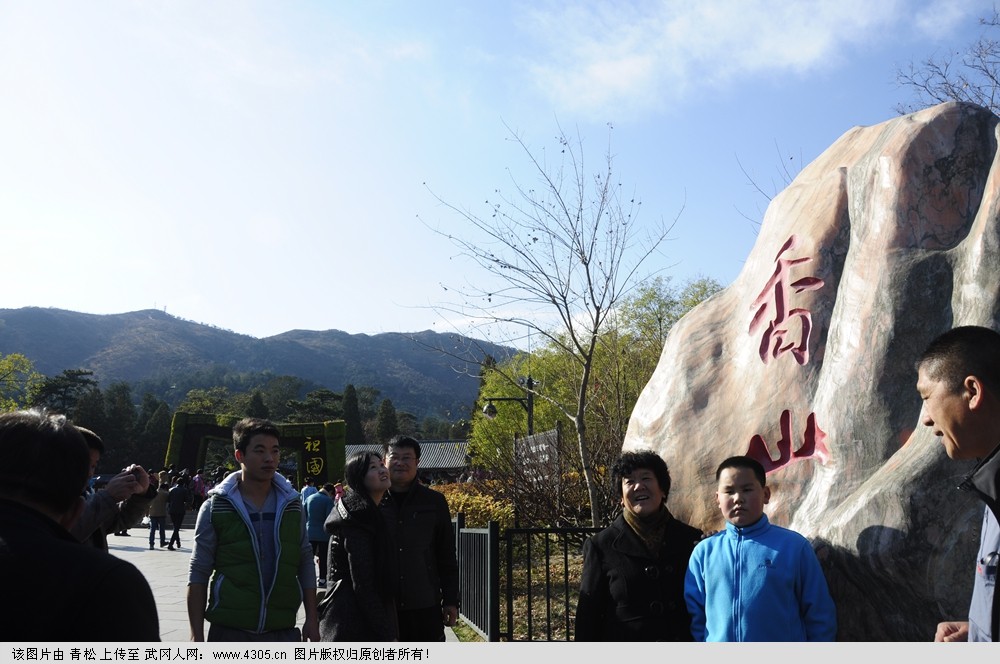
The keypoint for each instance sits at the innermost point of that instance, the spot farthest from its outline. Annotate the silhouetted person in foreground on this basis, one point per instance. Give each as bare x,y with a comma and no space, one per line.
58,589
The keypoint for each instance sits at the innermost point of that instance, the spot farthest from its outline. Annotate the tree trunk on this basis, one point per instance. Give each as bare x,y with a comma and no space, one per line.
588,473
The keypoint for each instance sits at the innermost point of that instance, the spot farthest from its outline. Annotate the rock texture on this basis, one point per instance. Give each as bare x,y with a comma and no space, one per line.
806,361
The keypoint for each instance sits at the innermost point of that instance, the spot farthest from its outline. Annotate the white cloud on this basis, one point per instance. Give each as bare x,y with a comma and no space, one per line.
940,18
597,56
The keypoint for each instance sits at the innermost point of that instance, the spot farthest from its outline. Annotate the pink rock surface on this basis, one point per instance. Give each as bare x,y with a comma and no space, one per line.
806,361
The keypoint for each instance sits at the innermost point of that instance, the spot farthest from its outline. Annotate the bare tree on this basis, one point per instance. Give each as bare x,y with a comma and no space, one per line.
972,75
786,169
561,255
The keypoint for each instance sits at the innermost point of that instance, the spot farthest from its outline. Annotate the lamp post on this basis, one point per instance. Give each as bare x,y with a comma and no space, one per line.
528,402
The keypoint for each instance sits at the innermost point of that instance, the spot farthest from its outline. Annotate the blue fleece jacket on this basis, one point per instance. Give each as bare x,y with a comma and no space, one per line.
758,583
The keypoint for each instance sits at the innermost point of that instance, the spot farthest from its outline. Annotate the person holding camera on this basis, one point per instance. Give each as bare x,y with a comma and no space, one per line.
119,505
56,590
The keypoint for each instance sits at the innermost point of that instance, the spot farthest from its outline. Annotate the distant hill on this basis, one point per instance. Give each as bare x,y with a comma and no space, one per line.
152,345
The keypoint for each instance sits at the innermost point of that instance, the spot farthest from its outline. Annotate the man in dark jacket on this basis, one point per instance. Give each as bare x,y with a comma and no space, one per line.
958,378
179,501
420,524
59,590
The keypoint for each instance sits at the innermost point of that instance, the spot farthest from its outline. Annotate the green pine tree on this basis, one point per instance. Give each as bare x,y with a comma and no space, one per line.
352,417
387,425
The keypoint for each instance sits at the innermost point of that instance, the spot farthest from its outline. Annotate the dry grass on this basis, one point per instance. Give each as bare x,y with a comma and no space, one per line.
554,589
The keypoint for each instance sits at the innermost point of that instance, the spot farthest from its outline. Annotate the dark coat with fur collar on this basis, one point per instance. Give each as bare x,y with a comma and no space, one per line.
358,605
628,593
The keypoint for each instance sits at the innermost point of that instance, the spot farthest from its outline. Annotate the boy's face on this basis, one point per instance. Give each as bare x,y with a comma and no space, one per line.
740,496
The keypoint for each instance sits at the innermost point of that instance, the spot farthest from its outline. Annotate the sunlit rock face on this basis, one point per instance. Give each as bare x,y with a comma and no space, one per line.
806,362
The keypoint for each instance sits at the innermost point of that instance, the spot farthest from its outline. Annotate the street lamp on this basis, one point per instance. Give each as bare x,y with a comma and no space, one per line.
528,402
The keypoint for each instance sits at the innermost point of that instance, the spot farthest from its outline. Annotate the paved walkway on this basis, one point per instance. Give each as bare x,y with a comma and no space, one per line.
167,573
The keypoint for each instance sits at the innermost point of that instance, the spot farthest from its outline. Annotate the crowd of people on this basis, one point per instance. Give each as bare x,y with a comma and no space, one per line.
386,548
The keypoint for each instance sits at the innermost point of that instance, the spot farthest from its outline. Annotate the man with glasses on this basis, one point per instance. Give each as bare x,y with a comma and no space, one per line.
958,378
420,524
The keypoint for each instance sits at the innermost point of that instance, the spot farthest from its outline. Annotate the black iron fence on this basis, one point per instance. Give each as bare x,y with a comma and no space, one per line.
521,585
479,577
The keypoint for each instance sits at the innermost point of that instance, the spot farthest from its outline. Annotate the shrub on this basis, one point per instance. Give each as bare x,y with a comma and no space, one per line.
477,505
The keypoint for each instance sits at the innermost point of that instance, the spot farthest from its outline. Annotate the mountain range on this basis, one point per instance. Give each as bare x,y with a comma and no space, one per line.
424,373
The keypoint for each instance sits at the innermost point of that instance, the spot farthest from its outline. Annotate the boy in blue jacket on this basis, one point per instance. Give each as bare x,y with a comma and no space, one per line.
754,581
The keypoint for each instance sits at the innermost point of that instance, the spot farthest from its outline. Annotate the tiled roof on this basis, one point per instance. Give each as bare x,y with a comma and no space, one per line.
434,454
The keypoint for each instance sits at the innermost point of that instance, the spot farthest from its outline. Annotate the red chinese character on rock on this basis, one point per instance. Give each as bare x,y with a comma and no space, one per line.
776,291
813,444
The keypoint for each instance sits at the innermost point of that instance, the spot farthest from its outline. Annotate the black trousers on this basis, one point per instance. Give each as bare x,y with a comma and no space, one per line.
321,549
176,518
421,624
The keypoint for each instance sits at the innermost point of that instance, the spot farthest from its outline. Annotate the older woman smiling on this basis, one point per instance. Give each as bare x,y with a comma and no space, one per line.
633,571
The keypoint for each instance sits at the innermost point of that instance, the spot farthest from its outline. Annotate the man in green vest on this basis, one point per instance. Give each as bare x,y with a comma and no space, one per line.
250,540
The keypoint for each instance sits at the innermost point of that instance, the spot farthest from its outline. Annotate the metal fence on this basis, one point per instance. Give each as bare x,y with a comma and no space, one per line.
479,578
522,585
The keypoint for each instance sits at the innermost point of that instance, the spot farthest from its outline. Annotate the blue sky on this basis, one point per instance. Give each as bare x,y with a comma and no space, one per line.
261,166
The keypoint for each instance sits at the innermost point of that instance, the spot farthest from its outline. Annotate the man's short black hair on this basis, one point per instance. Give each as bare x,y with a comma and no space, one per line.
46,460
964,351
749,463
94,441
249,427
401,441
629,462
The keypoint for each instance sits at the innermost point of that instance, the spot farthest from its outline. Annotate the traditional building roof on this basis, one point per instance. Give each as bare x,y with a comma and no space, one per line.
434,454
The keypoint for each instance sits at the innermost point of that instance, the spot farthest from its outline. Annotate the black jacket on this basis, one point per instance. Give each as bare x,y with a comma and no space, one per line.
420,525
179,499
61,590
358,605
984,481
627,593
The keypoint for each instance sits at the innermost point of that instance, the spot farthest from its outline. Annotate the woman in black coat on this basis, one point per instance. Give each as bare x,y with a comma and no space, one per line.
633,571
358,605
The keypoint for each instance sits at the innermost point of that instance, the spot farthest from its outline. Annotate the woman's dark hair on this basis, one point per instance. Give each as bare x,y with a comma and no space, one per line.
356,468
629,462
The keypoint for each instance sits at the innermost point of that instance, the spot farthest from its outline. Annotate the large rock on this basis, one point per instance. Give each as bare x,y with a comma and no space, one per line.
806,361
